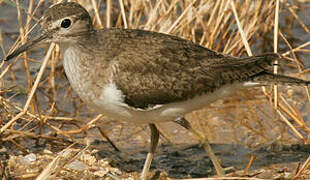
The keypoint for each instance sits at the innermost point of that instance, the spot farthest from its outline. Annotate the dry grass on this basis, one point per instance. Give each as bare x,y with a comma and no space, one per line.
42,107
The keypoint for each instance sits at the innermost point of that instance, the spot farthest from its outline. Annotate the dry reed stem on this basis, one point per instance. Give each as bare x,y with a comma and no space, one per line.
34,87
290,47
123,14
248,166
177,21
108,13
297,18
244,40
291,126
70,159
275,50
243,36
15,133
89,125
298,134
210,23
298,48
53,167
97,15
294,114
298,63
305,165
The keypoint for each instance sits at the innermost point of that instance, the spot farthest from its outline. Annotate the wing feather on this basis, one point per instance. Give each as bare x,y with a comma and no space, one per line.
155,68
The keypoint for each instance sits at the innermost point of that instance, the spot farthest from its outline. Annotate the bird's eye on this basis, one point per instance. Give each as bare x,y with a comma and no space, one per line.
65,23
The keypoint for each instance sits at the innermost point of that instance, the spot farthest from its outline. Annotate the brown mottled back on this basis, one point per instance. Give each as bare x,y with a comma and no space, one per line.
155,68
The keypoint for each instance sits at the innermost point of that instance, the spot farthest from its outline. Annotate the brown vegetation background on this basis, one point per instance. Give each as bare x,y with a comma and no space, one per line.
40,115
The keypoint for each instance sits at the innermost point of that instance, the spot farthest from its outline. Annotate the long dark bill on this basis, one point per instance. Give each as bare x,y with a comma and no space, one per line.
26,46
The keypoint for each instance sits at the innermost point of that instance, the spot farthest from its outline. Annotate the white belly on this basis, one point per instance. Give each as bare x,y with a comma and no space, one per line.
111,103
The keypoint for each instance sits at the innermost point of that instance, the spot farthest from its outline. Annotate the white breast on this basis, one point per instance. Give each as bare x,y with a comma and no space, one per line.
77,75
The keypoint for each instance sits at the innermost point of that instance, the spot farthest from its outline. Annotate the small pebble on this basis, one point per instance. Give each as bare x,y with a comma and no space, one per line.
77,165
28,159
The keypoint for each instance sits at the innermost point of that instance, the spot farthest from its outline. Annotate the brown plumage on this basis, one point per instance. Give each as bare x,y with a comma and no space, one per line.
123,72
154,68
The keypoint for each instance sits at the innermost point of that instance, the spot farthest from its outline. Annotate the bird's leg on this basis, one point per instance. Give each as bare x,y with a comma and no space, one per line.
204,141
150,154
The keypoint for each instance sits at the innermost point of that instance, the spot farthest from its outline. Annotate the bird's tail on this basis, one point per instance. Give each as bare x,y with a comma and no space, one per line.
266,78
